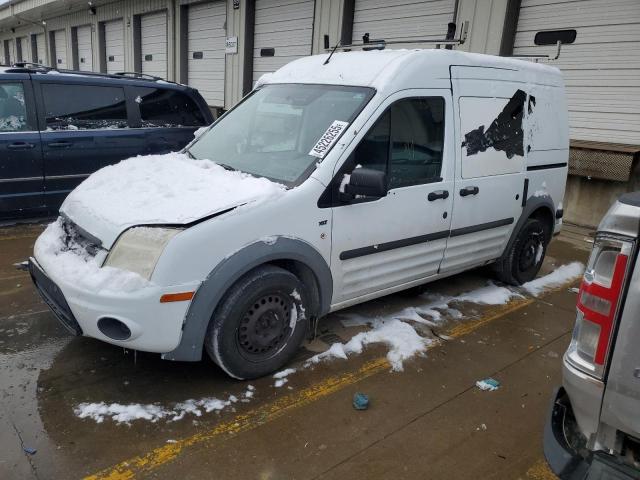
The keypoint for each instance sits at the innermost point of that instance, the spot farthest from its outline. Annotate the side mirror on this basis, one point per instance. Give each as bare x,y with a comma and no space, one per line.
366,182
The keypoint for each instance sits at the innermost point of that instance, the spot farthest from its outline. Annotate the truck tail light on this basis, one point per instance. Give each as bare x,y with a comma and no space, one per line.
598,304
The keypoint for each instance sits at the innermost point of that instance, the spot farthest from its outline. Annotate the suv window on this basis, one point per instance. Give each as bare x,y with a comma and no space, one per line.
160,107
406,142
83,107
13,111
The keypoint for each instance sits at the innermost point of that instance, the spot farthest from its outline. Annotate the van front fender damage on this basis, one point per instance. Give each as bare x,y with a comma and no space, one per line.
227,272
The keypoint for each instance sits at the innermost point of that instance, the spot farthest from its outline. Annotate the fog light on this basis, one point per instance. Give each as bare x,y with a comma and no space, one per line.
114,328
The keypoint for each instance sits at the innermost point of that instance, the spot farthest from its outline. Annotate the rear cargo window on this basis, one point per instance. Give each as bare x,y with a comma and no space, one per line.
84,107
13,113
167,108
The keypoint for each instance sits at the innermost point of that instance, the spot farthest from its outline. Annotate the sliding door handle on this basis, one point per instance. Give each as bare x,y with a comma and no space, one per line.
61,144
443,194
20,146
469,191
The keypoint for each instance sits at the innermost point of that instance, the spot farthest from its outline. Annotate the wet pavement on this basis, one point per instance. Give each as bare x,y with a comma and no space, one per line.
428,421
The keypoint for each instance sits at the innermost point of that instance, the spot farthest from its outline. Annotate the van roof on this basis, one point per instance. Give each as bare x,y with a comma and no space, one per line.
378,67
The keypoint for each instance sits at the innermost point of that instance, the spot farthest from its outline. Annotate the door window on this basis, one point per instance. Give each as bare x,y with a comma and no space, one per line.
13,111
406,142
161,107
84,107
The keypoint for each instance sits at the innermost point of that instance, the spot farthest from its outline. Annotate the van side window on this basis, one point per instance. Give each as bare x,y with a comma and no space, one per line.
13,112
406,142
161,107
83,107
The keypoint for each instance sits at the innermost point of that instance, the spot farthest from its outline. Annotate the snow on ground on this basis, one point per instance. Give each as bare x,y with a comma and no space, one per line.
281,377
126,413
558,277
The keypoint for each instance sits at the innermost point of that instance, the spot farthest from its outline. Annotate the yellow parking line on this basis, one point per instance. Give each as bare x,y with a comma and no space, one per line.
241,423
149,462
540,471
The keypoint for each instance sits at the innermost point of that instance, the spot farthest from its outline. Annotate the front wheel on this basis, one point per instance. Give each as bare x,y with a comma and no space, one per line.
260,323
523,260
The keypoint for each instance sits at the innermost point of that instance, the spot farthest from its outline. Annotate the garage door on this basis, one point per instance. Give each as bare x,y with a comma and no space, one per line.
60,39
9,49
41,49
24,49
401,19
601,68
114,45
153,29
206,42
85,48
283,32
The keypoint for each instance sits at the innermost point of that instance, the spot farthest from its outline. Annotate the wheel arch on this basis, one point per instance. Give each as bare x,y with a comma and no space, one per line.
294,255
539,207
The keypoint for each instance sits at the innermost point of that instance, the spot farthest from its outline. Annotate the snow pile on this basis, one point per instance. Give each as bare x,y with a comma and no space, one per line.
401,338
558,277
120,413
281,377
171,188
70,263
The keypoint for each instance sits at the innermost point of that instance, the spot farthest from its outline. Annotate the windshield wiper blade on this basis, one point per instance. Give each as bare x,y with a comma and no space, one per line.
190,155
226,167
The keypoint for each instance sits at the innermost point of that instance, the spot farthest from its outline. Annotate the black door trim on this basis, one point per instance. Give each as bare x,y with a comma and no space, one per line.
383,247
480,227
547,166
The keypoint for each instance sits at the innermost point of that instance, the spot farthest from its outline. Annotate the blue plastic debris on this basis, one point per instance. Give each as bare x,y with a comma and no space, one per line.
360,401
29,450
488,384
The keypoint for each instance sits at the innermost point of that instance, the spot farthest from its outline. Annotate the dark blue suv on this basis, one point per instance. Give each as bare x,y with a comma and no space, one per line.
57,127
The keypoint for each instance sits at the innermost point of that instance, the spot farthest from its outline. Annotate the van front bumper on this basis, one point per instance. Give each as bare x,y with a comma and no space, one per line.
153,326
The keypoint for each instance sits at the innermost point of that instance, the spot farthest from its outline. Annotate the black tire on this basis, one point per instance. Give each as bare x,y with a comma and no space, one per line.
259,324
523,260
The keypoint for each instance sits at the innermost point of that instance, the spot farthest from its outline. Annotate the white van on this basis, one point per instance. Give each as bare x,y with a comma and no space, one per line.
329,185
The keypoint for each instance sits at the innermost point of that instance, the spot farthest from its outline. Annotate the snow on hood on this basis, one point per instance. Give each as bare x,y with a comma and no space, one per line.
159,189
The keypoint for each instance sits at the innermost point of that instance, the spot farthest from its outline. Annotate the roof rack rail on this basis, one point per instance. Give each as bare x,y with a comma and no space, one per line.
31,64
144,76
380,44
536,57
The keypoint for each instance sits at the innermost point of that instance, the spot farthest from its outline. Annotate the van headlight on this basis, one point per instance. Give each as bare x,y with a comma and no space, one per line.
139,248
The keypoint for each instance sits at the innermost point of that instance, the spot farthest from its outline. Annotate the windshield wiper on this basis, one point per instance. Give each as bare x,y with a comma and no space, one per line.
226,167
190,155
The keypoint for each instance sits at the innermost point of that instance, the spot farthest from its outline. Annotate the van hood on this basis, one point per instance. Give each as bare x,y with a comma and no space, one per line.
170,189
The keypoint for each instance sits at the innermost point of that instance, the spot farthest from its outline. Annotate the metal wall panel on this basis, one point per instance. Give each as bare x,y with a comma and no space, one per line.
85,48
25,49
205,50
41,49
61,49
286,26
114,45
153,30
601,69
402,19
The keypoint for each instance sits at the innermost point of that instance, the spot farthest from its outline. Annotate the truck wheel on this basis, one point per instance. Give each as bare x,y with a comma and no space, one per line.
523,261
259,324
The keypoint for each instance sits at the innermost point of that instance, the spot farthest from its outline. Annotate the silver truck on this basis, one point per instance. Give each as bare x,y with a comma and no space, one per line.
593,428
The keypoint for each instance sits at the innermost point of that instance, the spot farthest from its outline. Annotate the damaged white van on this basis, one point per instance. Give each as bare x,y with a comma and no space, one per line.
329,185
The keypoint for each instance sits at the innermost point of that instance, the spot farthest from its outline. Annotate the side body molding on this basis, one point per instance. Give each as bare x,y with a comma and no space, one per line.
227,272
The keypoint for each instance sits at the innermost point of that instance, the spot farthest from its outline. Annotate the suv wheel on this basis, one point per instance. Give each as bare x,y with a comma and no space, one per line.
259,324
523,261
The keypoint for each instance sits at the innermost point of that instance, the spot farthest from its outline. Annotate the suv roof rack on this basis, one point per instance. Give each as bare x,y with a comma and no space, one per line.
380,44
32,67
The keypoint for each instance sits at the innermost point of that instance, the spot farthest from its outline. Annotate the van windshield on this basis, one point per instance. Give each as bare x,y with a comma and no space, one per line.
272,132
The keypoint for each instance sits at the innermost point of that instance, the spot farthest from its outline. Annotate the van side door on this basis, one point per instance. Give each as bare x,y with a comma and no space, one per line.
168,117
383,244
490,167
86,127
21,175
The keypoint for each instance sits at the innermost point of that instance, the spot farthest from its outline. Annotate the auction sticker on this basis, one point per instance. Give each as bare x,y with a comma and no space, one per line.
329,137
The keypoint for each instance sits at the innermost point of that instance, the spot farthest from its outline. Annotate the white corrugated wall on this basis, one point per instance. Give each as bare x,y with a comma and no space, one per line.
41,49
601,69
114,45
402,19
153,28
85,48
286,26
60,37
205,50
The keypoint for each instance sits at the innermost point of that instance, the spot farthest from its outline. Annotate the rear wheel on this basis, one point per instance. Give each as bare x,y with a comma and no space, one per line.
524,259
259,324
